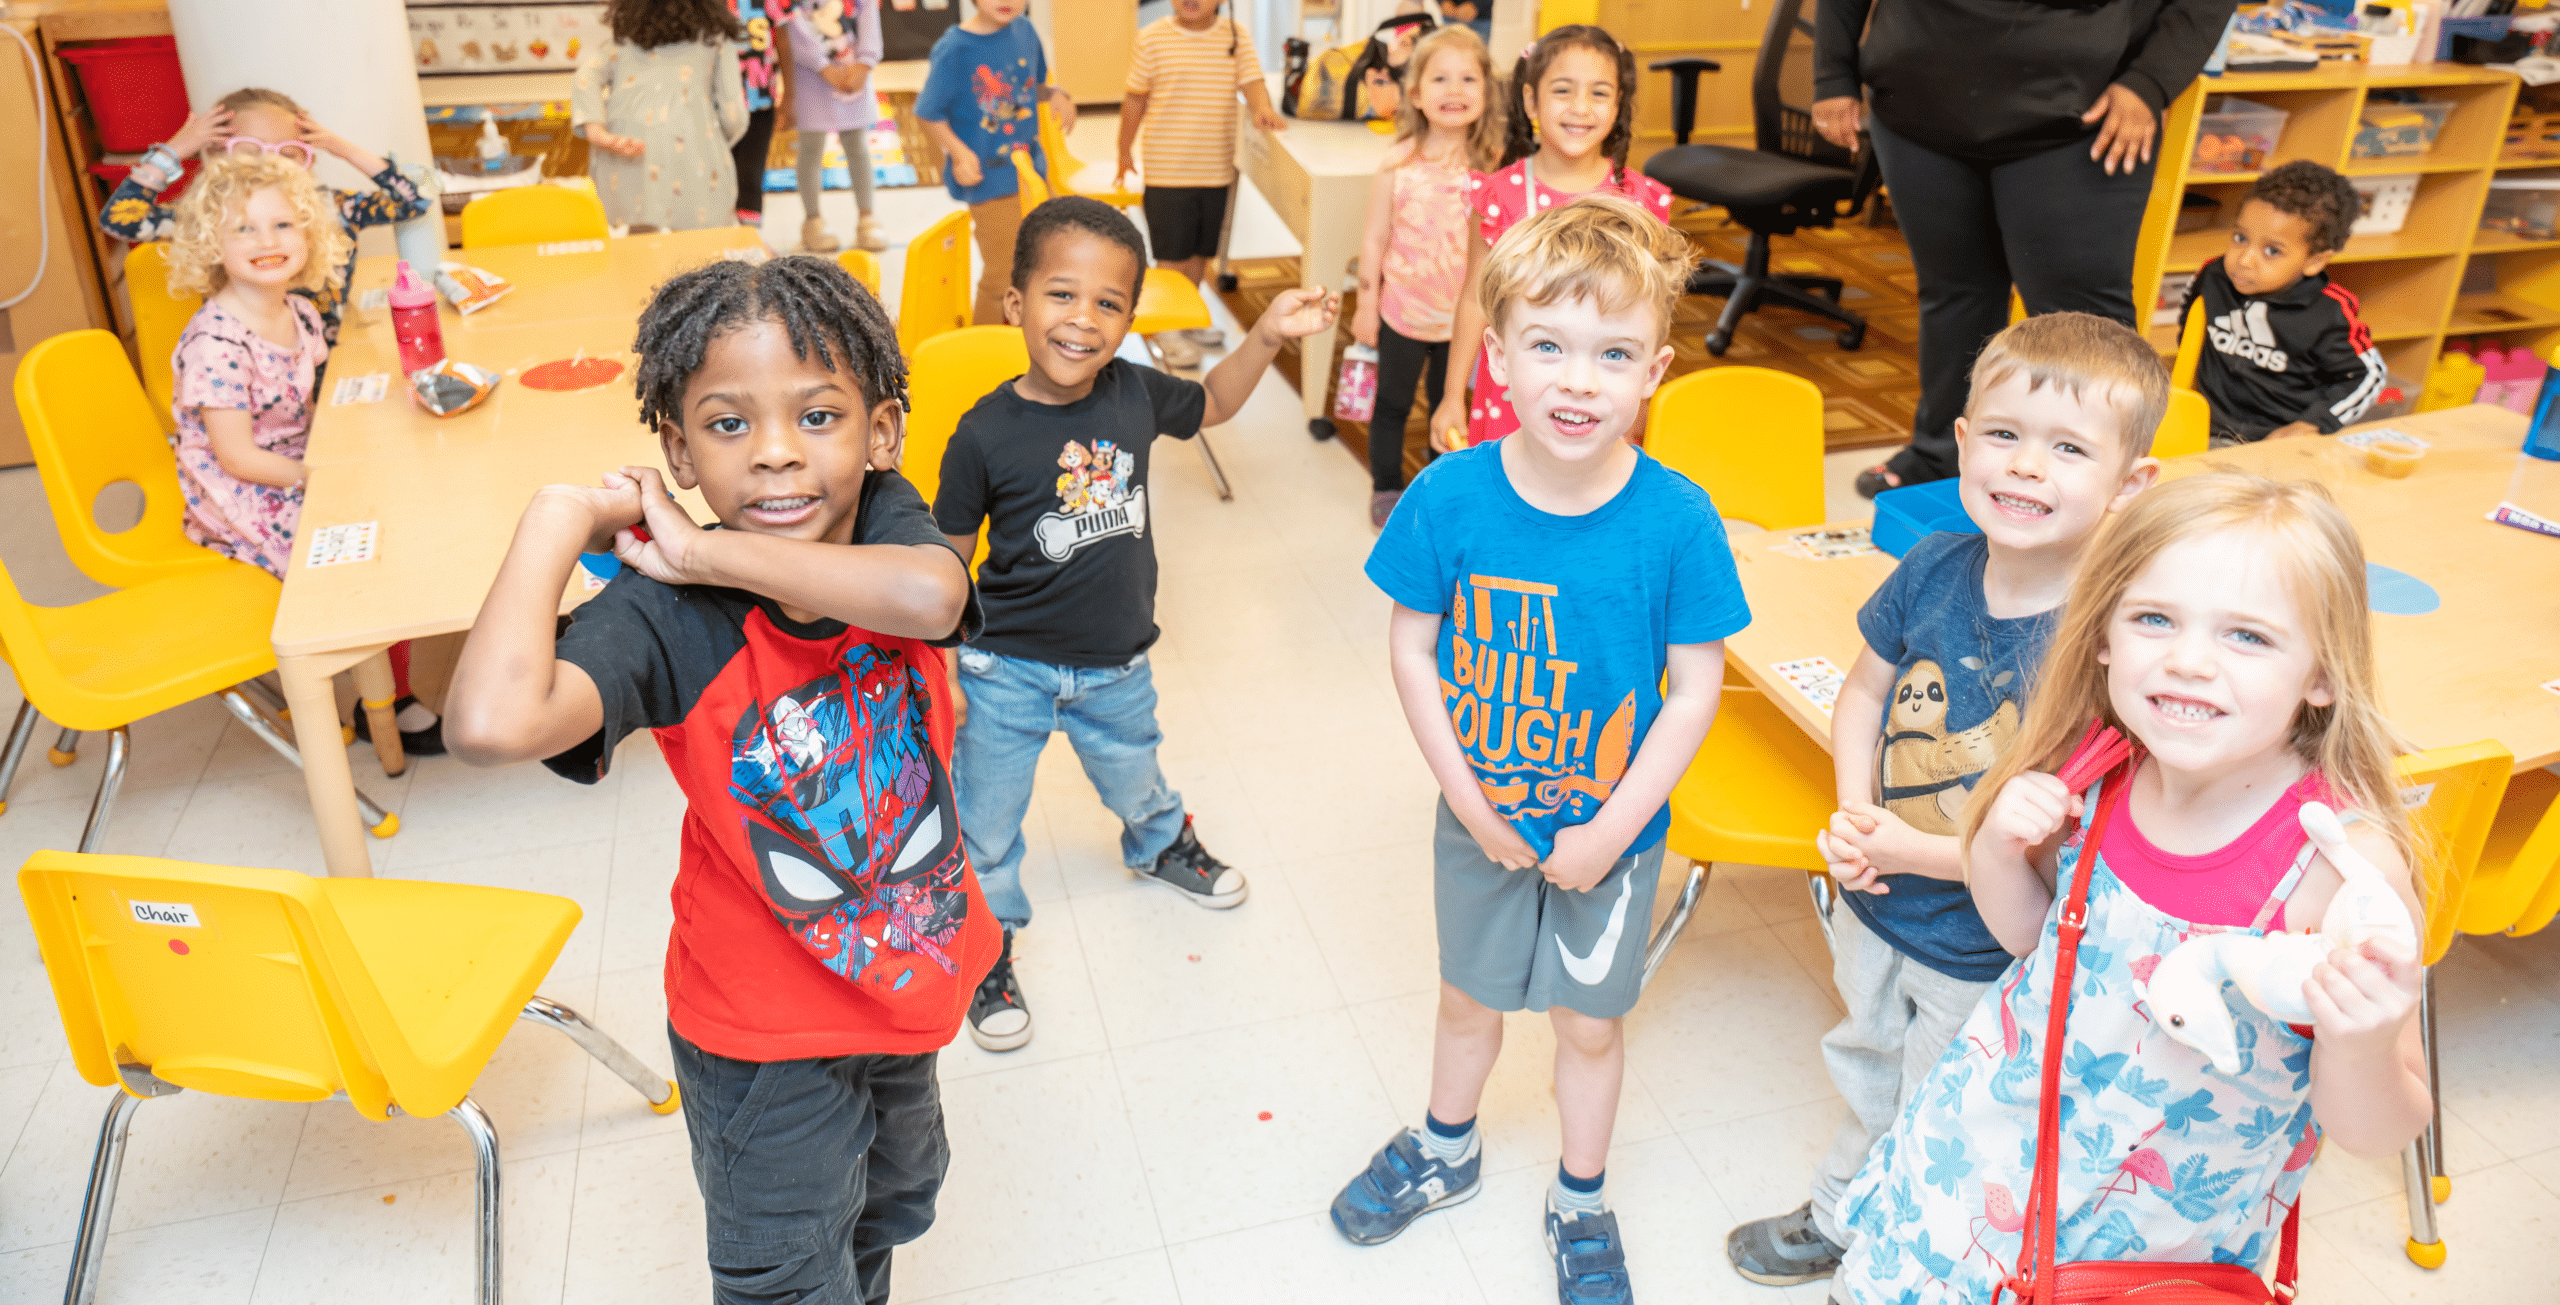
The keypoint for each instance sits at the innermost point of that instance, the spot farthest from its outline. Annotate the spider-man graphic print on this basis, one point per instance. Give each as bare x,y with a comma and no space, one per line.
849,815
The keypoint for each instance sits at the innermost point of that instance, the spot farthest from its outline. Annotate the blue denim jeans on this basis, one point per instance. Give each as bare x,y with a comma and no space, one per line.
1109,715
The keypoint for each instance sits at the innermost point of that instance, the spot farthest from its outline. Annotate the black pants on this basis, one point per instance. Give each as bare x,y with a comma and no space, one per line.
811,1171
750,153
2054,224
1401,362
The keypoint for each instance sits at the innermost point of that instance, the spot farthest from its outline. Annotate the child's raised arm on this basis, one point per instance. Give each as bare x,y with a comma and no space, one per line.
1694,689
918,591
1300,312
512,698
2368,1071
1413,657
2009,865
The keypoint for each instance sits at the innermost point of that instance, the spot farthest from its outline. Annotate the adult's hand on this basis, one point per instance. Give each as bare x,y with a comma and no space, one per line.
1837,120
2126,130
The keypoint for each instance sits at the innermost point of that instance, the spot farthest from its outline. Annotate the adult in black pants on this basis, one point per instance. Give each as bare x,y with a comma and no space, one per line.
1400,362
2016,139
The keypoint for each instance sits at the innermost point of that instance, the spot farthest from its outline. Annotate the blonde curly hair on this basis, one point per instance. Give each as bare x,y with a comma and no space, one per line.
222,190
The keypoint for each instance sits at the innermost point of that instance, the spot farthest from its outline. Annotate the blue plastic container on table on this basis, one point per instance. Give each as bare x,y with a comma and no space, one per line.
1905,515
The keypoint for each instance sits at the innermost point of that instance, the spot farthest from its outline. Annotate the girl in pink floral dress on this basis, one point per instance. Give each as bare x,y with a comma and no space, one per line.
253,229
1577,85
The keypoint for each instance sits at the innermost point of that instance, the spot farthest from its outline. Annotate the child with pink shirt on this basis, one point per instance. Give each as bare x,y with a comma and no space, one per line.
1413,261
1577,89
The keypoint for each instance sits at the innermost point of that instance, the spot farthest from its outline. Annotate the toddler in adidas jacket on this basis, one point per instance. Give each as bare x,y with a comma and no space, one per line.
2285,353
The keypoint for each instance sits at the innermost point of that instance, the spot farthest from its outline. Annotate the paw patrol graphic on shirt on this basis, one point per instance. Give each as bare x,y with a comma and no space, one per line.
850,816
1923,765
1095,500
1533,753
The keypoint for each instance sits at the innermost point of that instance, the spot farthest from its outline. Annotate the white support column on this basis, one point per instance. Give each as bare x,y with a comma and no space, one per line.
348,62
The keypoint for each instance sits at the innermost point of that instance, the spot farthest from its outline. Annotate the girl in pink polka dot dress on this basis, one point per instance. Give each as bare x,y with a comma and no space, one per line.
1577,86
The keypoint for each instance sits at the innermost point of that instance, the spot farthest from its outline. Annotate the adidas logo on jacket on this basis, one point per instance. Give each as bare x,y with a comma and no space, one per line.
2300,354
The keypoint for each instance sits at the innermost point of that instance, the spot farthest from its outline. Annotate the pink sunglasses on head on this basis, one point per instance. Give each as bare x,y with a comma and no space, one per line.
298,151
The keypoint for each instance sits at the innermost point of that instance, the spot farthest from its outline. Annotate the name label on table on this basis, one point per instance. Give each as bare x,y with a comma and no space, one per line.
570,247
178,915
373,300
360,389
331,545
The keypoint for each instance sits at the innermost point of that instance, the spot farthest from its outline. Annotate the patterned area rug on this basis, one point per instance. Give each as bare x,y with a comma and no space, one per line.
1869,396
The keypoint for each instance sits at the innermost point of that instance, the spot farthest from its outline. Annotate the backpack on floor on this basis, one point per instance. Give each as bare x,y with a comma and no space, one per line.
1327,86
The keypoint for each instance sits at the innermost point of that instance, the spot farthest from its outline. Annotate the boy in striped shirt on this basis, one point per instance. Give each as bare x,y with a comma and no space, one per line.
1183,79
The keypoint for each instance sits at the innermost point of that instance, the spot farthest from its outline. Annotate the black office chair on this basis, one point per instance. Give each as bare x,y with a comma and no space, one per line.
1795,179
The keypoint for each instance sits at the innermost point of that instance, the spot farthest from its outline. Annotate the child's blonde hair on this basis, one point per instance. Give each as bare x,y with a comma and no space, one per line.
222,189
259,97
2080,352
2350,742
1599,247
1484,136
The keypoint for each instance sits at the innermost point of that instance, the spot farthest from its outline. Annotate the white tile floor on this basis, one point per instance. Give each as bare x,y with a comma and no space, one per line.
1122,1156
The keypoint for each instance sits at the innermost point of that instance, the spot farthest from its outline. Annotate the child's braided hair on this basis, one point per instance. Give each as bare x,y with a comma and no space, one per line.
1521,140
825,310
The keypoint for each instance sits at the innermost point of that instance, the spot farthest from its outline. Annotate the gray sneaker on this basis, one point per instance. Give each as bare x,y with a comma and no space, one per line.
1783,1250
1403,1183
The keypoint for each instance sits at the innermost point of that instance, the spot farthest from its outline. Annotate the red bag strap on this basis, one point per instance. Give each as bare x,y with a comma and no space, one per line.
2039,1247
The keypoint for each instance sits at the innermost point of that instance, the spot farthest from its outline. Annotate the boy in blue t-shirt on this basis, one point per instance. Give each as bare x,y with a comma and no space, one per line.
1543,586
2055,437
981,97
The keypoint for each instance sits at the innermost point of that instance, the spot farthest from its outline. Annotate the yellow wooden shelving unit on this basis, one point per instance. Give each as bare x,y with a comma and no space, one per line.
2410,282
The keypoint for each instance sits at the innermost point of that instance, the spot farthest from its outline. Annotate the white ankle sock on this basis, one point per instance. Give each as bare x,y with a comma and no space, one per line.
414,718
1448,1150
1567,1202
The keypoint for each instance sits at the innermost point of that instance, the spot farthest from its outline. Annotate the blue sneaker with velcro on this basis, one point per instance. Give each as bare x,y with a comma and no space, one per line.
1402,1183
1591,1266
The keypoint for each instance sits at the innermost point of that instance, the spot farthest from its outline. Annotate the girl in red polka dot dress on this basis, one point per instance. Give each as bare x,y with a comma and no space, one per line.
1569,139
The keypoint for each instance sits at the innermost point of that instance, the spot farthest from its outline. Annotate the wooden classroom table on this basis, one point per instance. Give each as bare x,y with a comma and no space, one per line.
1316,176
446,493
2472,669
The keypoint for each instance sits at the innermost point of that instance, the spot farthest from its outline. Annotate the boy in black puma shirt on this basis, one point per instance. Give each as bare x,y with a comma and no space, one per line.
2285,353
1055,463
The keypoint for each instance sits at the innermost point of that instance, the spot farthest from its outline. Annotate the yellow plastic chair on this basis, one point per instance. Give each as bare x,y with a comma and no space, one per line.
2186,429
1034,187
2182,372
2452,796
159,318
951,372
864,266
934,296
533,215
1757,792
89,423
2516,888
1750,435
1064,167
1167,301
391,994
101,665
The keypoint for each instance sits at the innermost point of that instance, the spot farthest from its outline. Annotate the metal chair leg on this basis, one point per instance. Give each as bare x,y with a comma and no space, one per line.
1217,474
21,732
2439,1186
1678,920
659,1092
1826,895
104,1169
484,1145
66,749
101,808
382,823
2426,1248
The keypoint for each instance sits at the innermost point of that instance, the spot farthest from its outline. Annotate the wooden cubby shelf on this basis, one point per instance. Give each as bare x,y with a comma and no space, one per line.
2439,275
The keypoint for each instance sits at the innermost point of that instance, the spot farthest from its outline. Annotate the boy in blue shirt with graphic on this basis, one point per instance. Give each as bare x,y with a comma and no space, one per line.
981,97
2055,438
1544,585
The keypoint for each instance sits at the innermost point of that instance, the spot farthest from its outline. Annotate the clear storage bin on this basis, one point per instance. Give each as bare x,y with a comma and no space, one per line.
2399,396
2387,130
2236,135
2386,203
2526,206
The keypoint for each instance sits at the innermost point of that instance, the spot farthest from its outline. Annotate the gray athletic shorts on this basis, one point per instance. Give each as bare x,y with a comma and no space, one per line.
1513,941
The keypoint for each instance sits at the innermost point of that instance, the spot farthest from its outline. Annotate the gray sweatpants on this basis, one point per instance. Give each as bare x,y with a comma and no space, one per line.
1902,1015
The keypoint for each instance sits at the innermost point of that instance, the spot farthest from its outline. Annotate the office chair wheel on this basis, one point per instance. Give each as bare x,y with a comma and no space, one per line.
1853,337
1718,342
1320,428
1226,283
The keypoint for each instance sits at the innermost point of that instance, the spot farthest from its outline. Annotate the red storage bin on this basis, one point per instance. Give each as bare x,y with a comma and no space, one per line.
134,89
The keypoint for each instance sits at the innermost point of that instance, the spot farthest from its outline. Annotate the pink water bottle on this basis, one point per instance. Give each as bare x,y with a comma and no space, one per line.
2524,380
413,322
2492,358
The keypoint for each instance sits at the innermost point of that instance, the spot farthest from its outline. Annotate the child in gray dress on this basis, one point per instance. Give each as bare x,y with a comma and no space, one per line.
660,104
